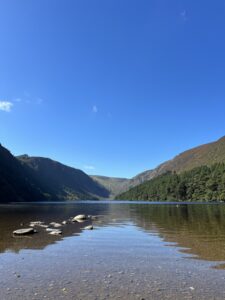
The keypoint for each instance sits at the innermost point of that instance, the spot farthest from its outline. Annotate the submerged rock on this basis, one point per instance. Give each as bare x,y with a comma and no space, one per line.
55,232
56,225
43,226
89,227
50,229
24,231
79,218
39,224
36,223
80,221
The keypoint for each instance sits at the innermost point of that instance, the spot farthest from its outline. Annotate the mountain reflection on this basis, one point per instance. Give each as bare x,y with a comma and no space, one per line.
19,216
200,229
196,229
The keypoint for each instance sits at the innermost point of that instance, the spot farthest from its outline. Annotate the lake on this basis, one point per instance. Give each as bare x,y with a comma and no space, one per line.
137,250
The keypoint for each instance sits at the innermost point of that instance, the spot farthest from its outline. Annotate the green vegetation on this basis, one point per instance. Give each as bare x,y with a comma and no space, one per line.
199,184
194,175
204,155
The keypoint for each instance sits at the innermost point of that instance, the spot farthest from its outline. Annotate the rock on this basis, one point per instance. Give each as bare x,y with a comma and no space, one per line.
64,222
50,229
56,225
36,223
39,224
43,226
79,218
24,231
55,232
80,221
89,227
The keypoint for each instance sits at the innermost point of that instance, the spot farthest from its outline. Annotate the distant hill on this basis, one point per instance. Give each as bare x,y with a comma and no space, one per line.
27,178
16,183
205,183
113,185
65,182
207,154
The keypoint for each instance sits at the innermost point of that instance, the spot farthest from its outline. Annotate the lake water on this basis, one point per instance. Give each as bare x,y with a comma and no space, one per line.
136,251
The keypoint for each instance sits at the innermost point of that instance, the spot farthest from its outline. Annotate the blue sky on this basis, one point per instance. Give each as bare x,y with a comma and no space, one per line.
111,87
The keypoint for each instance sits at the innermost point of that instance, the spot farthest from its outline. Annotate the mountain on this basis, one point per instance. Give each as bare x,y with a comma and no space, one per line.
113,185
16,184
205,183
65,182
27,178
207,154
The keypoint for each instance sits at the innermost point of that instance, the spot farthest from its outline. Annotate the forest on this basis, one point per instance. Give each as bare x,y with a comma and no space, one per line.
205,183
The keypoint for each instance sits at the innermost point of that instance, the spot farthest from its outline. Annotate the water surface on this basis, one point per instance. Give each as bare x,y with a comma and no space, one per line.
136,251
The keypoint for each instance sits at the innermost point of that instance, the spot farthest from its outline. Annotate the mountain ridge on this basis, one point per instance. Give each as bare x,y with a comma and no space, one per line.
205,154
15,183
114,185
25,177
66,182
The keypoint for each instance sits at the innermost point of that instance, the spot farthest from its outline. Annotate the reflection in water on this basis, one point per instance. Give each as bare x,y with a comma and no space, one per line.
19,216
128,255
200,229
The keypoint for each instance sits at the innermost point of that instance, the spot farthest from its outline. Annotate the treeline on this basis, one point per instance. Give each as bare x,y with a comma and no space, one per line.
200,184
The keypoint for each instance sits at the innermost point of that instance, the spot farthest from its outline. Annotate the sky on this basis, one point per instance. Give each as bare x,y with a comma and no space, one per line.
111,87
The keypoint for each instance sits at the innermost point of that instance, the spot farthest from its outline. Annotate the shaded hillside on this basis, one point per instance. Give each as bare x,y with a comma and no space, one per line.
36,179
199,184
16,184
207,154
66,182
114,185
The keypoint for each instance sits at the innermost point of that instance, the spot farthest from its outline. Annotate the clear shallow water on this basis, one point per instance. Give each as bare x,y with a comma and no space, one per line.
137,250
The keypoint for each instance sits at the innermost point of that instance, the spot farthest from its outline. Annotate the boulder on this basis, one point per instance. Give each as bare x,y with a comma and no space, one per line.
43,226
56,225
79,218
56,232
50,229
36,223
24,231
89,227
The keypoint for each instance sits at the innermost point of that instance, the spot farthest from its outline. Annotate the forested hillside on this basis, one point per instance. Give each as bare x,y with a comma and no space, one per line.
203,155
199,184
